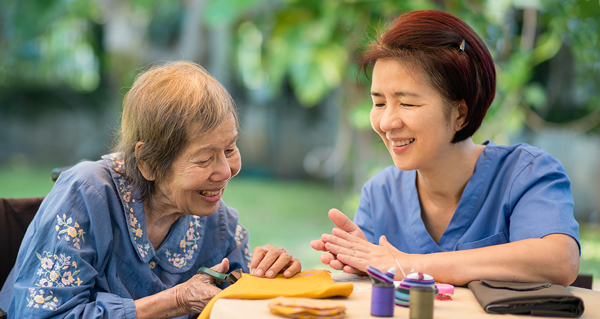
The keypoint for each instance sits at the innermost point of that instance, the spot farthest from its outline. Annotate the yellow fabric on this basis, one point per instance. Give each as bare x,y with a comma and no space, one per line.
309,283
306,308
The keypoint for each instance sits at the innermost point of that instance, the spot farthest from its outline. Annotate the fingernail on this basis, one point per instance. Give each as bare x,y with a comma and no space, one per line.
258,273
270,273
252,271
287,273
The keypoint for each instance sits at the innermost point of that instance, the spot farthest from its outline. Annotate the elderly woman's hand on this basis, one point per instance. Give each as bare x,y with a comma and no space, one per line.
268,261
193,295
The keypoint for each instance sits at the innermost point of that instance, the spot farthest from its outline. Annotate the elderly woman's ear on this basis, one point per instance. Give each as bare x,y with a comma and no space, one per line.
144,169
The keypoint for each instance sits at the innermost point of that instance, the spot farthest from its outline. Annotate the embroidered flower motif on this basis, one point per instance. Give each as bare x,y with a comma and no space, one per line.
125,191
37,299
72,233
240,234
56,271
188,245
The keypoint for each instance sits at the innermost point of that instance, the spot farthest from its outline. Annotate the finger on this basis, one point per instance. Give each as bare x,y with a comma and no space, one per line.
270,257
385,243
351,270
355,262
336,264
222,267
205,279
356,252
280,263
257,256
342,221
318,244
326,258
349,242
293,269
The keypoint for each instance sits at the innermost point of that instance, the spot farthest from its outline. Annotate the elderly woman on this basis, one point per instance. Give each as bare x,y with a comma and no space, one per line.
123,237
448,207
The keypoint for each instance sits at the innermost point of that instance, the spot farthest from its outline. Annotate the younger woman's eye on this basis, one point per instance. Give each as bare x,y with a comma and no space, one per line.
404,104
379,104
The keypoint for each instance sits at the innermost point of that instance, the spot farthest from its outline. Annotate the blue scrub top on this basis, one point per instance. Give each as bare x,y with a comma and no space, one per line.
516,192
86,253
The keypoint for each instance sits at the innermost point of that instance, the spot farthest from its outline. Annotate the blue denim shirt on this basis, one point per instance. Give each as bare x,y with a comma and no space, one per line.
86,253
516,192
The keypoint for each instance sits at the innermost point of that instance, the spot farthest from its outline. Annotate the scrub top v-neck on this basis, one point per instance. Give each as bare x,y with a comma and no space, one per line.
516,192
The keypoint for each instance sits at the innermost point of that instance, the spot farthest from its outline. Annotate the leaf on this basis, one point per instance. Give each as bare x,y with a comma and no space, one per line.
62,231
48,298
76,272
38,256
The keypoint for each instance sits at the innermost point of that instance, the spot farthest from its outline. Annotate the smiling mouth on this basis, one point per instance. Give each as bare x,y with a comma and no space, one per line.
210,193
402,142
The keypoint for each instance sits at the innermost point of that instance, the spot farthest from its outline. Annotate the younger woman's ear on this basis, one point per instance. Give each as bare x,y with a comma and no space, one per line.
461,116
146,172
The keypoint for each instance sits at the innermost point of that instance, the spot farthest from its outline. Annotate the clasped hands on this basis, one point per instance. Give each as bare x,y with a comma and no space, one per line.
348,249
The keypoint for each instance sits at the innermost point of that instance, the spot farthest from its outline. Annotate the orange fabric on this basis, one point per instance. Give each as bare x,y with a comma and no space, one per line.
309,284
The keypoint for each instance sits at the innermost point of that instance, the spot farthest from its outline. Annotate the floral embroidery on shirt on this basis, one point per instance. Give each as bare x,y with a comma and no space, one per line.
57,271
240,234
125,191
72,233
187,245
38,299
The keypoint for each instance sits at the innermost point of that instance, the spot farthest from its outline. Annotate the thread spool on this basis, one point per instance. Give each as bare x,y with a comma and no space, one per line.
421,302
382,300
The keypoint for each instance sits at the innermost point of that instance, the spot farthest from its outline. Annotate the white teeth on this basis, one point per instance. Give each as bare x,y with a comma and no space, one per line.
209,193
403,142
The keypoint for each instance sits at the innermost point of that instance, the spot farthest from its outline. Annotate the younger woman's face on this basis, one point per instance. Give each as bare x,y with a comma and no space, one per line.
410,116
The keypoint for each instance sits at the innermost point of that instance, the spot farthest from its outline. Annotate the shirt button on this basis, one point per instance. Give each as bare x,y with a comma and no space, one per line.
152,265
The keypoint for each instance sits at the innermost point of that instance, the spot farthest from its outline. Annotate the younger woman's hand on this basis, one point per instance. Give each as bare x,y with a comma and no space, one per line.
330,258
268,261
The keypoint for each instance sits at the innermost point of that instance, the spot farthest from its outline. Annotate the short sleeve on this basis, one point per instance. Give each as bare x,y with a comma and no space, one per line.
63,254
543,201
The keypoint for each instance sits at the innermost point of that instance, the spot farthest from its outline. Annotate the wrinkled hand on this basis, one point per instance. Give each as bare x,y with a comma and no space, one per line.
330,258
269,261
193,295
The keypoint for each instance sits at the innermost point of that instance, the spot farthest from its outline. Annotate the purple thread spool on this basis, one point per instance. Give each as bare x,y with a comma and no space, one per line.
382,300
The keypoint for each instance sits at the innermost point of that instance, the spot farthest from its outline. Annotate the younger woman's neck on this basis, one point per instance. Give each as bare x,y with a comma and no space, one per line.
445,182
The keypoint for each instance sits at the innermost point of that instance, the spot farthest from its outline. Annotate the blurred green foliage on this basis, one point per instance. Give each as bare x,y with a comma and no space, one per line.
546,51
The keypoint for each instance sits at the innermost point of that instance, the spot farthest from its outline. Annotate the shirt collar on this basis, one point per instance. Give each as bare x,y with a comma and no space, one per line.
180,249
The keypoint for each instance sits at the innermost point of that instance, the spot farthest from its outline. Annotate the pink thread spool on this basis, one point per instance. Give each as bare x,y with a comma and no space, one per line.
445,291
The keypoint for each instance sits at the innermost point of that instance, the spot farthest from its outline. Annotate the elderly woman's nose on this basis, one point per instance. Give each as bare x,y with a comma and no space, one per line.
222,169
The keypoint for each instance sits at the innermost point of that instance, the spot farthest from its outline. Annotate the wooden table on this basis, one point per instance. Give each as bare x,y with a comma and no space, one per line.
463,306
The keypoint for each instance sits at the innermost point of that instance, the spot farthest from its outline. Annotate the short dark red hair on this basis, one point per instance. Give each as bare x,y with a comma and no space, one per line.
431,41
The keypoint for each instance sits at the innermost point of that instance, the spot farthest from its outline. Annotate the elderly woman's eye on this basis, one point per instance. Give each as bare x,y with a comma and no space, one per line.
379,104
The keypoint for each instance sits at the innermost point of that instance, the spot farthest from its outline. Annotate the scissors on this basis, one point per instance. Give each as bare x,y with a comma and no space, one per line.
221,278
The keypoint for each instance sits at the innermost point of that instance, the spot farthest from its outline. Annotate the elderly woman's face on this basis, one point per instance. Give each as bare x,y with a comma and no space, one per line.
198,176
409,116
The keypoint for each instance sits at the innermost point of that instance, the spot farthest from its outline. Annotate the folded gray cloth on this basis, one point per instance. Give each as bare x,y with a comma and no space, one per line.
536,299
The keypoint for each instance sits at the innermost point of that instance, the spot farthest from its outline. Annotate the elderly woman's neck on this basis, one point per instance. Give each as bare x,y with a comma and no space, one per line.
159,221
